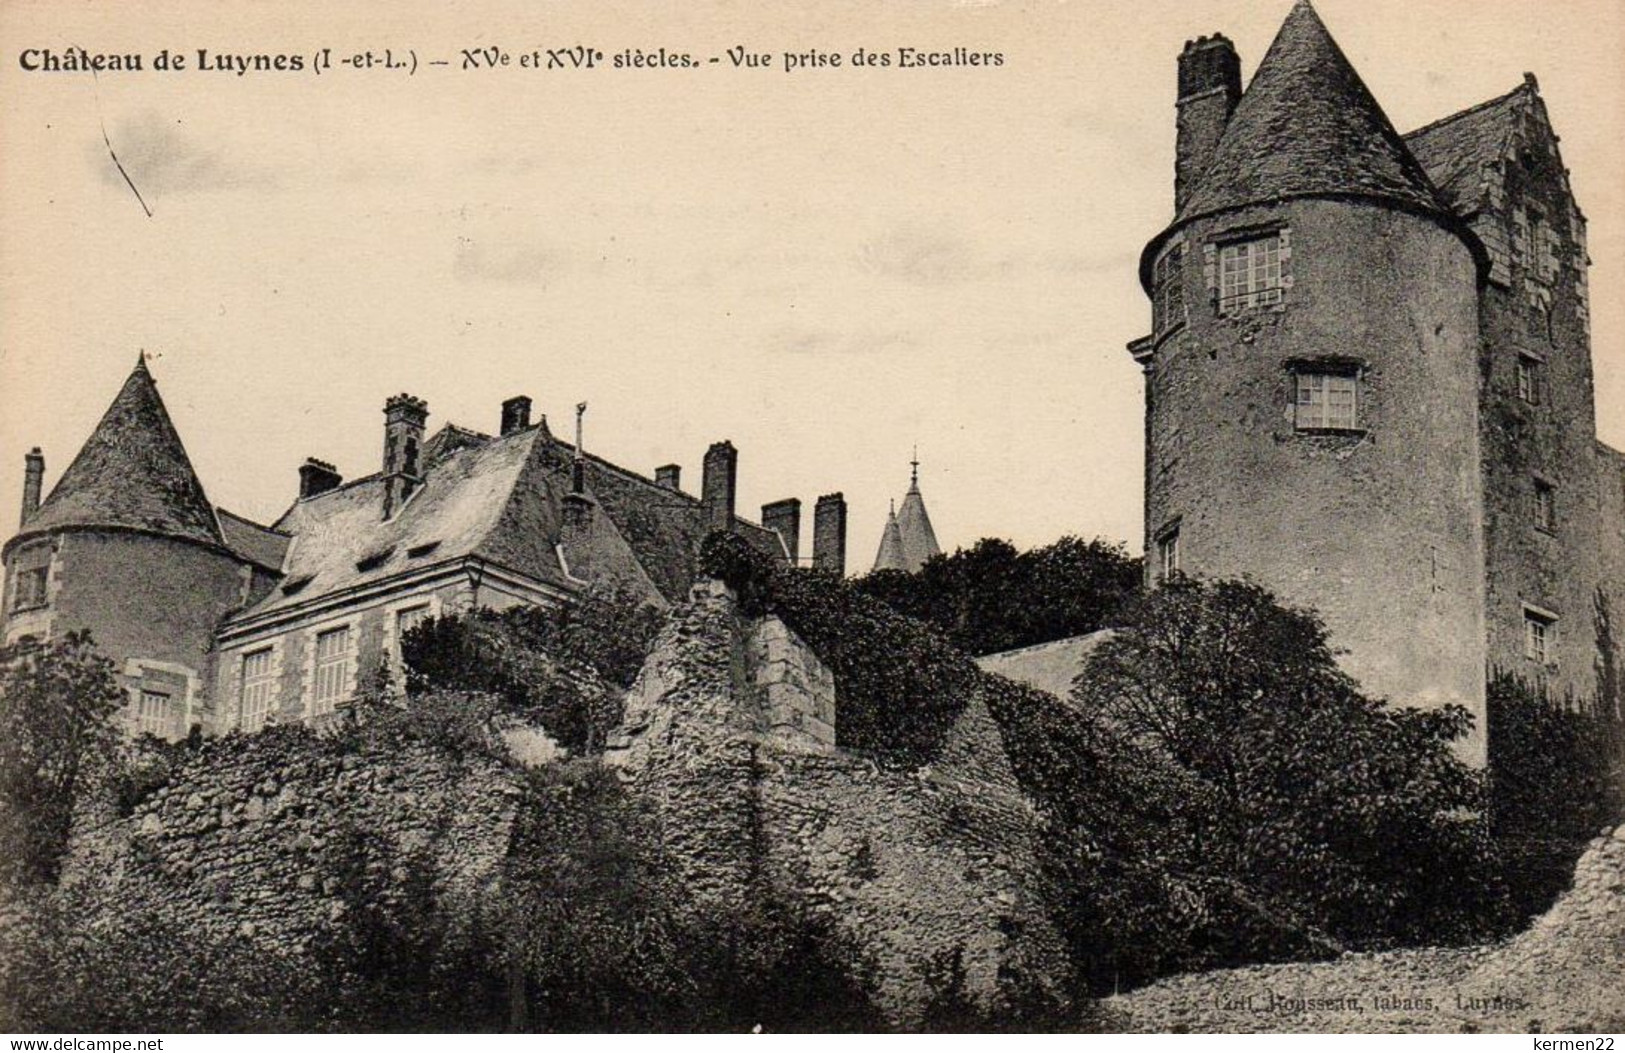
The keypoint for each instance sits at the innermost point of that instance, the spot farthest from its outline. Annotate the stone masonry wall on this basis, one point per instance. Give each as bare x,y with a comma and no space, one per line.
912,865
247,837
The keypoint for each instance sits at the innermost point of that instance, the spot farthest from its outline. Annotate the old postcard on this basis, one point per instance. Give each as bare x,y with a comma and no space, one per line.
953,516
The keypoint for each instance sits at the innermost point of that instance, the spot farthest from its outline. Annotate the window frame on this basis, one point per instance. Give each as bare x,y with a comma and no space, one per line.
333,671
1168,289
1168,551
1258,289
1544,504
1540,636
247,682
166,712
31,588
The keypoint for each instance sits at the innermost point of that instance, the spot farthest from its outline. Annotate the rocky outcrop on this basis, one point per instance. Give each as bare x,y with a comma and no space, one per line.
1565,973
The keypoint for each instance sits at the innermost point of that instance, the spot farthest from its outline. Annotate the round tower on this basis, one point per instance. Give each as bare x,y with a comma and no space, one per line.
128,547
1312,375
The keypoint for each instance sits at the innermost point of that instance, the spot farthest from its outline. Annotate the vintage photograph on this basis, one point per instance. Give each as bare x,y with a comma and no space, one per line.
950,516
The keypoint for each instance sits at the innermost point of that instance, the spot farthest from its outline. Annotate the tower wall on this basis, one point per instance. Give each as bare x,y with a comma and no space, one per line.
1380,529
1539,424
151,605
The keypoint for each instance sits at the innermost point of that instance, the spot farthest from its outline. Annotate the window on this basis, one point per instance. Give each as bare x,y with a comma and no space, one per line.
1168,290
30,587
152,714
1529,379
258,689
409,619
332,669
1168,553
1326,401
1539,637
1250,274
1545,508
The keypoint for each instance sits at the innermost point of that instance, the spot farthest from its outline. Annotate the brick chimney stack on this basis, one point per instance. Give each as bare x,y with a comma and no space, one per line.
33,481
829,534
784,517
404,421
317,477
1209,87
718,479
515,414
670,476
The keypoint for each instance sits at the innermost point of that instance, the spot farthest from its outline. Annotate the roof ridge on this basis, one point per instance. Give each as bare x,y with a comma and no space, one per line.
1527,87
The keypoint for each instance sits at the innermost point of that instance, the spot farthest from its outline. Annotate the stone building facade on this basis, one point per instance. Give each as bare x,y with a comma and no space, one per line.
216,622
1369,380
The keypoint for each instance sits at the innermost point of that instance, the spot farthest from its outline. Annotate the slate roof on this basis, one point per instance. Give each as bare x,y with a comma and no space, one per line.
914,524
890,556
908,540
1462,151
340,538
492,498
1308,126
132,473
251,542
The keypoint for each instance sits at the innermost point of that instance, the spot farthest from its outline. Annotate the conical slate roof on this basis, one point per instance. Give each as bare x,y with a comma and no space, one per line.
908,540
1307,126
919,540
131,473
890,556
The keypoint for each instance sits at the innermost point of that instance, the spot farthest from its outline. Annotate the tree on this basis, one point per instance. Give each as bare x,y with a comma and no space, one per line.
991,597
1269,804
57,701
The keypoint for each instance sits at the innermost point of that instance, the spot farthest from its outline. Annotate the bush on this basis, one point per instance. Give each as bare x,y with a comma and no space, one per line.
563,667
1557,777
990,597
1222,793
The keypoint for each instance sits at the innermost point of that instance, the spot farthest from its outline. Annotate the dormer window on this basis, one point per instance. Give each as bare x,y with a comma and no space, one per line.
1251,273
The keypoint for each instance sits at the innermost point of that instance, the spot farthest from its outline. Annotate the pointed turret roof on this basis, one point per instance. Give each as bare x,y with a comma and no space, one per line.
1307,126
890,556
919,540
908,540
132,473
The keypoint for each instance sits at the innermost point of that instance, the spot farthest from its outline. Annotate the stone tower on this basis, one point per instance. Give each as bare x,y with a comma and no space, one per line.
1312,374
128,547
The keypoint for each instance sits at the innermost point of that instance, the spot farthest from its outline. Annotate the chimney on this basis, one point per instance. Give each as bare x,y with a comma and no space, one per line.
1209,87
670,476
784,517
515,414
718,478
829,534
317,477
404,419
33,479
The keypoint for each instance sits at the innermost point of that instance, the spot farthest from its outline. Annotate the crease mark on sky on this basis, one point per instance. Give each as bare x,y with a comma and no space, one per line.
96,87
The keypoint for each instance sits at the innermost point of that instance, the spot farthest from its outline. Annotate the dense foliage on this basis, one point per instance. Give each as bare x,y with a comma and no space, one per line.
57,702
990,597
1222,793
1557,771
562,667
899,684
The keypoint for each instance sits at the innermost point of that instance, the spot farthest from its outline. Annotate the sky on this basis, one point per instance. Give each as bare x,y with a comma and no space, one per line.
827,267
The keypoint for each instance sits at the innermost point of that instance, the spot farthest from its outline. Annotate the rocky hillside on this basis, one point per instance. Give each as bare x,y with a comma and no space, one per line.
1566,973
